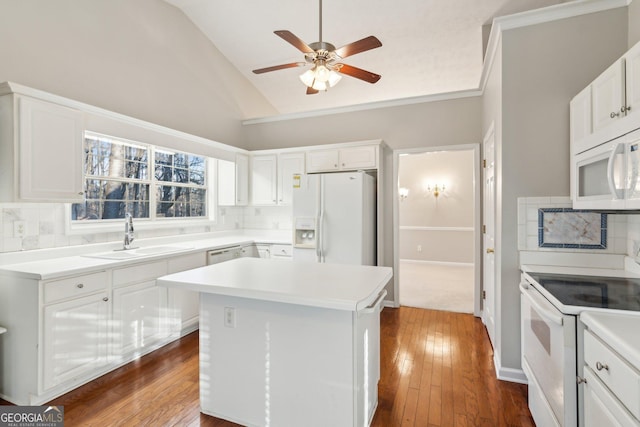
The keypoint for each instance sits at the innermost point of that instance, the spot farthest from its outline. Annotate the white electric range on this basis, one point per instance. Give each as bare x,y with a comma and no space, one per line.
551,300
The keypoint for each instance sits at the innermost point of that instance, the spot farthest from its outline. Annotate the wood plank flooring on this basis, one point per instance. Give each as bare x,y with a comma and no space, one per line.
436,370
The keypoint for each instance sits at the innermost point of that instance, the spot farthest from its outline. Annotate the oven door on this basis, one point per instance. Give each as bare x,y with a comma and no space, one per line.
548,359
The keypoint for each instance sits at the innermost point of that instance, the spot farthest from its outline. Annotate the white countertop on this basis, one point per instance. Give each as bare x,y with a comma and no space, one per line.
335,286
43,268
620,331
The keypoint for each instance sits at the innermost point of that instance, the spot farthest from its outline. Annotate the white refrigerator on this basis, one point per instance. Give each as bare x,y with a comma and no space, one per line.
334,218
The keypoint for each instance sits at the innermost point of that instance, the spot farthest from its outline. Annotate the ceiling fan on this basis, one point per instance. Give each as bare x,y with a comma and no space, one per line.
325,58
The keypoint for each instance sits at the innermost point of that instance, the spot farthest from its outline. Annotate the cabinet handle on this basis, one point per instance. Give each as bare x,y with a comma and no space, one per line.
614,115
624,109
335,165
80,193
600,366
580,380
343,165
80,285
105,299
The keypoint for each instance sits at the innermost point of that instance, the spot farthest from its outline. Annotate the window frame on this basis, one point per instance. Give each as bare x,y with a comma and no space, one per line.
153,221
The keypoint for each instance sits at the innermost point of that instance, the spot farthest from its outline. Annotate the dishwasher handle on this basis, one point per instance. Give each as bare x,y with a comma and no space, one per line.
224,250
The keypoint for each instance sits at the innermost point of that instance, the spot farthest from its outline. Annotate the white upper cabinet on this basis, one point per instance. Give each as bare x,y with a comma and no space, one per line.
272,177
242,180
226,183
289,164
632,78
608,96
580,123
264,187
233,181
343,159
45,139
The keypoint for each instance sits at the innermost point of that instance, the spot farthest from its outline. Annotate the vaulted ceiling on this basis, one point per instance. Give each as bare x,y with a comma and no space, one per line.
428,46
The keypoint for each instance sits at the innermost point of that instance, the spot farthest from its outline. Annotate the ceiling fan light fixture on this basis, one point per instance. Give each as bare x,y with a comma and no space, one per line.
320,77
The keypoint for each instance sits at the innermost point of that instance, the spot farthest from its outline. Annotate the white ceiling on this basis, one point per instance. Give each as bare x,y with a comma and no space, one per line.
428,46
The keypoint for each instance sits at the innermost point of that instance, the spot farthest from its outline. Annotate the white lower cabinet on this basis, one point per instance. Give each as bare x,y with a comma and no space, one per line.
139,318
74,339
184,306
601,408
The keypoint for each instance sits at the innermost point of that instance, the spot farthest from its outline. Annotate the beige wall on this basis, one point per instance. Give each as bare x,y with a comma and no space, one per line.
453,208
417,125
141,58
543,67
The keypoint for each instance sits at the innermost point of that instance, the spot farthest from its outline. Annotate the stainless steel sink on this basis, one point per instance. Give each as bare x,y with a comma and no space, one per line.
138,252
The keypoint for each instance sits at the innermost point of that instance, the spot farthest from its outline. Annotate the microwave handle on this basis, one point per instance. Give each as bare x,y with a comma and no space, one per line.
618,193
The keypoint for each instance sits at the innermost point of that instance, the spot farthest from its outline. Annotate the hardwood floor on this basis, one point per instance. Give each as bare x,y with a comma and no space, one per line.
436,370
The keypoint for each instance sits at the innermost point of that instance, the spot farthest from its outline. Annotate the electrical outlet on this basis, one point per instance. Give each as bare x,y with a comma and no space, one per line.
19,229
419,248
230,317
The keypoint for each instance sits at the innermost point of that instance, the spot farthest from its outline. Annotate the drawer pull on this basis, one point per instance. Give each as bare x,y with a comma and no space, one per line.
80,285
600,366
105,299
581,380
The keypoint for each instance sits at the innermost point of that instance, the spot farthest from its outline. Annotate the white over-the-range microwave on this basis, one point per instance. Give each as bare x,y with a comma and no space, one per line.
608,176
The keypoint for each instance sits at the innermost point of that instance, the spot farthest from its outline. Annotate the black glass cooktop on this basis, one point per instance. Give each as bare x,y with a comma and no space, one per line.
617,293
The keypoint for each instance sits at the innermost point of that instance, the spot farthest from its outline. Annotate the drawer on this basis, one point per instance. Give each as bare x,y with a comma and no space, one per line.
72,287
139,273
281,250
620,377
601,408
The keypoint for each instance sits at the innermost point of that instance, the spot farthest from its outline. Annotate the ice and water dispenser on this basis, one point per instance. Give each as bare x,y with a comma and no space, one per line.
305,233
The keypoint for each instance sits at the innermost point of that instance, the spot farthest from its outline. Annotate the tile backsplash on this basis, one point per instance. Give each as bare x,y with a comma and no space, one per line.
617,230
27,226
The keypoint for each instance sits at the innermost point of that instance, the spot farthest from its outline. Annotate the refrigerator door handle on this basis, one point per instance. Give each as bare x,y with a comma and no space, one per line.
319,219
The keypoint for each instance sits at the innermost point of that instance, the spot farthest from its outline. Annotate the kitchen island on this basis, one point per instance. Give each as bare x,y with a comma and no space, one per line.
288,343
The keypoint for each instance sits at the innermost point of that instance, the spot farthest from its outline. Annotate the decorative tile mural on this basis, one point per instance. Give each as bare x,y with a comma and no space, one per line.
569,228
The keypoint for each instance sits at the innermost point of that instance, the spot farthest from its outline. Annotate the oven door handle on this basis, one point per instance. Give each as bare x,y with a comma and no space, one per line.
550,314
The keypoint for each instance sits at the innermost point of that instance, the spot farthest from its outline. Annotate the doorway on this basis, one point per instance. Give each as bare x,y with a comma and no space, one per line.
436,228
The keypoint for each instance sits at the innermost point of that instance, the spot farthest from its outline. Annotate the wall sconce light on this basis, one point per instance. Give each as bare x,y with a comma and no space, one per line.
436,189
403,193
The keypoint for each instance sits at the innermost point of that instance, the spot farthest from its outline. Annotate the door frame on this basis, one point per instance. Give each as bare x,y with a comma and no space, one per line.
477,220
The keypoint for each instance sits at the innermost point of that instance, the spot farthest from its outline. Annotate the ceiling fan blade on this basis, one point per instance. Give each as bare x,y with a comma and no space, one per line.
365,44
279,67
358,73
288,36
311,91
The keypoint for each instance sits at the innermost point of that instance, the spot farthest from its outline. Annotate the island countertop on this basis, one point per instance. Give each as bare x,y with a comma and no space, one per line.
334,286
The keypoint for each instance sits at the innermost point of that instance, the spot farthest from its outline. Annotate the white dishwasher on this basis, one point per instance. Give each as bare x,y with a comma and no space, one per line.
216,256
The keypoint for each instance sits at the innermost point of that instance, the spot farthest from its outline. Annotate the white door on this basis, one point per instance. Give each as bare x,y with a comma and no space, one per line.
139,317
489,208
289,164
75,339
608,96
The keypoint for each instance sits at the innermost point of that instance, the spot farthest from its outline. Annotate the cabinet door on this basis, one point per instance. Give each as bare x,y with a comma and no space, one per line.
226,183
288,165
359,157
184,306
74,339
322,160
580,122
242,180
601,407
50,146
608,95
263,180
138,317
632,81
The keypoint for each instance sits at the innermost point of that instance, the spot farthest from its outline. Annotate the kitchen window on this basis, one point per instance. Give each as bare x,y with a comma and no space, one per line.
149,182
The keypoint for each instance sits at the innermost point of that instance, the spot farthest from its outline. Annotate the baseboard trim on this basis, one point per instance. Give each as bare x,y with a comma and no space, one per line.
508,374
447,263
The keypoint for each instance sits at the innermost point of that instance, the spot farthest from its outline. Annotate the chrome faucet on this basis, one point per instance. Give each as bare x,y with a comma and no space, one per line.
128,231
